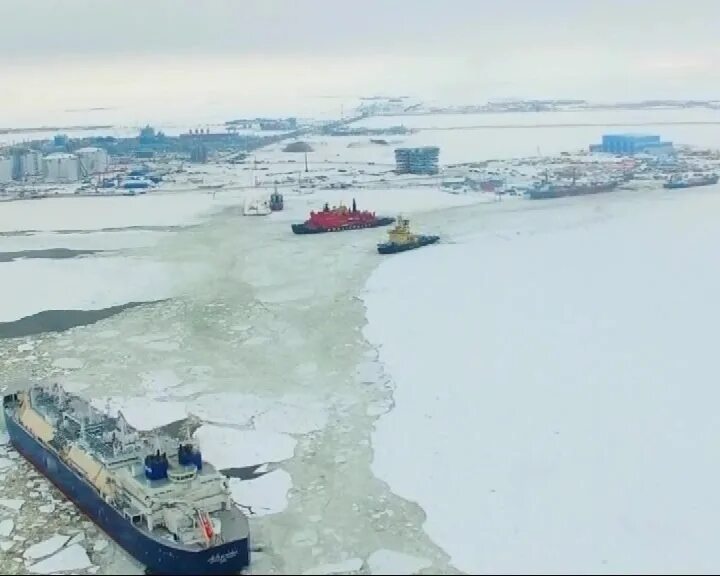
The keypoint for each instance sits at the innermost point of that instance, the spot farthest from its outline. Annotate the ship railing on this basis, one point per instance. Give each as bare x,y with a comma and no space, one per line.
93,425
182,474
72,418
120,461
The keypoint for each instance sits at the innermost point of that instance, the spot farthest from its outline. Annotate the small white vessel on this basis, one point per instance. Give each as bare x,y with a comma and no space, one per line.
256,207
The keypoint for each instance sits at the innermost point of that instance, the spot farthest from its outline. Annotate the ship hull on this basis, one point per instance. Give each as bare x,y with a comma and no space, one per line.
548,194
677,185
305,229
158,558
392,248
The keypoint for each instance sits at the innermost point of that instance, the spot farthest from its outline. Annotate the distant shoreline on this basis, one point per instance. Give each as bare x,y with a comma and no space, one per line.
469,110
479,110
577,125
54,128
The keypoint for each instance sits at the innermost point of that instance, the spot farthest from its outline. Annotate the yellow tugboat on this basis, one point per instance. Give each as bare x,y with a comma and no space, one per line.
400,238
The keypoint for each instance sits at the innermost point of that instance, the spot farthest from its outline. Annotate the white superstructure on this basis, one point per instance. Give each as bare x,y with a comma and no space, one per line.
61,167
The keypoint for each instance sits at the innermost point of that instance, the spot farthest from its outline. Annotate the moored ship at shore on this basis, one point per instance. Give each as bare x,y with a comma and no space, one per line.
691,181
573,186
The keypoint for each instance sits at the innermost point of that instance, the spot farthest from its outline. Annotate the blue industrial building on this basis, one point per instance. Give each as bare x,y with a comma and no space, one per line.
629,144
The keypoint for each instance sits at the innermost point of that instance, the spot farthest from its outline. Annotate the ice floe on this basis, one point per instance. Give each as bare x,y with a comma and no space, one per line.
46,547
68,363
79,537
293,418
6,527
286,415
160,382
142,413
90,283
290,414
391,563
110,240
231,448
346,566
228,408
264,495
14,504
70,559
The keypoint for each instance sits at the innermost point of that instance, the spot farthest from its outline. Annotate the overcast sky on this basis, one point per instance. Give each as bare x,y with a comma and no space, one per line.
60,53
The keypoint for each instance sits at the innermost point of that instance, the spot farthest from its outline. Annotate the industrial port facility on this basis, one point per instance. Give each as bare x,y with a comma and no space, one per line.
103,164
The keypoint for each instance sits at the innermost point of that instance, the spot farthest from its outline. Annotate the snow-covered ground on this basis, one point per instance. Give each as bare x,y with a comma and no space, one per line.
553,394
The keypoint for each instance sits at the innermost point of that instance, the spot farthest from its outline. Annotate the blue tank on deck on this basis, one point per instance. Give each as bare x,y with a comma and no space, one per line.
156,466
189,455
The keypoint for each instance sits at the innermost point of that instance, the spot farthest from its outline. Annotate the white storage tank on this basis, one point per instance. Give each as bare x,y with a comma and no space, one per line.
6,169
61,167
31,164
92,160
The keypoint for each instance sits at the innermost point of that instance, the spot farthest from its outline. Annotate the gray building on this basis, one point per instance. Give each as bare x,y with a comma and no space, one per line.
417,160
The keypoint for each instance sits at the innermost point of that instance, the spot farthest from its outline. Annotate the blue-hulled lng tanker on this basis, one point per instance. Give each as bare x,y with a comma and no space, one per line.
172,513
